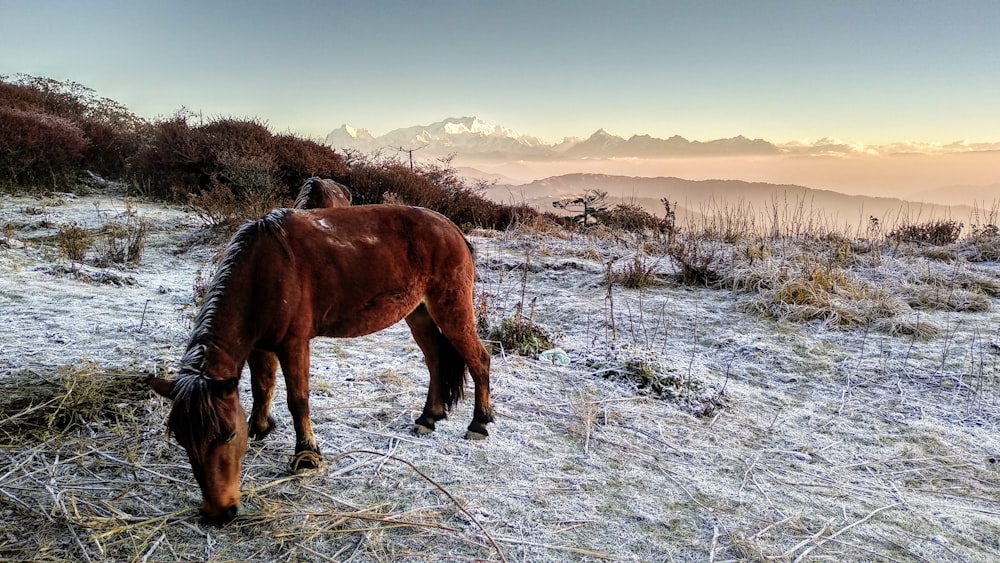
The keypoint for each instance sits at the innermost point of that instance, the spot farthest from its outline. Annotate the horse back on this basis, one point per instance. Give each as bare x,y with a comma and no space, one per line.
361,269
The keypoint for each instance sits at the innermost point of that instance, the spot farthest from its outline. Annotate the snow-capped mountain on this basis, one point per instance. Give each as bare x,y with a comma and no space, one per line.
473,137
604,145
465,135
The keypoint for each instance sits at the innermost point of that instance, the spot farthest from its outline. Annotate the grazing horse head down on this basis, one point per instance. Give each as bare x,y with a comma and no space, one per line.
318,193
336,272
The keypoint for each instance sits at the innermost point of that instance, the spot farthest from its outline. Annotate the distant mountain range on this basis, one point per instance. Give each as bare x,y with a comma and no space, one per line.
696,198
473,137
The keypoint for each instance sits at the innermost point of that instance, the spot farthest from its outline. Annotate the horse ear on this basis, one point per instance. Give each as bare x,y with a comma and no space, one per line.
225,387
163,387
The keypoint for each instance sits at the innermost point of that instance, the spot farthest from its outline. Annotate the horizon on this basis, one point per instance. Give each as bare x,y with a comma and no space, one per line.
786,72
837,146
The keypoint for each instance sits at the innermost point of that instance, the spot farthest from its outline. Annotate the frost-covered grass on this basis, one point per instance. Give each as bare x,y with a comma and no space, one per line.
818,398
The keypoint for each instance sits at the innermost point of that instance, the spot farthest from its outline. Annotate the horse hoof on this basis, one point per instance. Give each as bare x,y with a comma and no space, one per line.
421,430
260,434
473,435
304,461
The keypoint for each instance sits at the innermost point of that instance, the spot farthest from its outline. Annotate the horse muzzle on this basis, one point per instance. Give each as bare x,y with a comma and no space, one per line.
219,518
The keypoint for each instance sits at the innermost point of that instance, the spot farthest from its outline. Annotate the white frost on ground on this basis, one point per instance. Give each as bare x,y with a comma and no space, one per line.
843,444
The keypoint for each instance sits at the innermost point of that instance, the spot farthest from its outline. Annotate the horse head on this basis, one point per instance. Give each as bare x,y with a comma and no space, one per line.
208,421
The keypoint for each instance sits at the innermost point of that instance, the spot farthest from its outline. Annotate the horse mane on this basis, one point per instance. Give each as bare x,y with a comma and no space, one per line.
193,415
322,192
306,193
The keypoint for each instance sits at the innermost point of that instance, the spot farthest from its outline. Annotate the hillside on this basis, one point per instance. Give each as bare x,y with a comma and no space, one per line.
701,197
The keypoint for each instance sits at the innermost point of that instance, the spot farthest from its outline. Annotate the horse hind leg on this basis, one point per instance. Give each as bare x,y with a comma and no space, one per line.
459,328
439,355
263,373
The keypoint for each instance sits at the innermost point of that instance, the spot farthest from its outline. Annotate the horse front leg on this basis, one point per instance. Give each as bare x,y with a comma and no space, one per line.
294,359
263,375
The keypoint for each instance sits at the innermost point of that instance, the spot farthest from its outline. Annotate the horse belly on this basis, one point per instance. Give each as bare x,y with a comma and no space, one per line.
378,313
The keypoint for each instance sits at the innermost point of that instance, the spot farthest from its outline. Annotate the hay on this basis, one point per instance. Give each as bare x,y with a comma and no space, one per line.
35,406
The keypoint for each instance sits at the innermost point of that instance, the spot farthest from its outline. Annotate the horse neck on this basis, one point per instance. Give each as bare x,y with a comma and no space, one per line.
227,331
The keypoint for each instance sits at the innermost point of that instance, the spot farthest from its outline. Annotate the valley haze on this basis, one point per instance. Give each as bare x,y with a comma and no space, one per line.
955,173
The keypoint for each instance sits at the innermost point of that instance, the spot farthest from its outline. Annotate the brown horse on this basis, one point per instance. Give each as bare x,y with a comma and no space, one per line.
298,274
318,193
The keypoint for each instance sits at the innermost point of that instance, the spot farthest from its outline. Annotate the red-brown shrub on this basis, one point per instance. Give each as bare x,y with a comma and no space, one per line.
435,186
173,161
301,159
181,160
38,149
44,124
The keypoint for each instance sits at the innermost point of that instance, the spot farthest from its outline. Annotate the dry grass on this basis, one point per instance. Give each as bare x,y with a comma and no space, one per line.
85,464
37,408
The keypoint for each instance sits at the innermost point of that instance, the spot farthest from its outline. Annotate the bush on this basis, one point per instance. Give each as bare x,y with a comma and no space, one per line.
73,241
38,149
301,159
630,218
122,244
636,274
695,256
937,233
521,336
229,170
50,132
374,179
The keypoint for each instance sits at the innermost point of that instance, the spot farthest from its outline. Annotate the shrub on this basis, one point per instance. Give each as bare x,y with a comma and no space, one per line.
982,244
437,186
172,162
521,335
695,256
937,233
635,274
73,241
229,170
301,159
121,242
38,149
52,131
630,218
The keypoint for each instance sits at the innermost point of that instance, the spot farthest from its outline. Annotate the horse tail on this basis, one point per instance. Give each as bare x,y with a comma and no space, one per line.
453,374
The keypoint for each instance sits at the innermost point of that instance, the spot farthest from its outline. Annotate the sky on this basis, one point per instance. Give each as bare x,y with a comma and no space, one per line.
873,72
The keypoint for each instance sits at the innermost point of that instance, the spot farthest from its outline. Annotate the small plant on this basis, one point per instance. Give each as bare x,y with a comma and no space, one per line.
650,379
983,242
521,335
589,205
637,274
122,244
629,218
483,305
695,256
74,241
